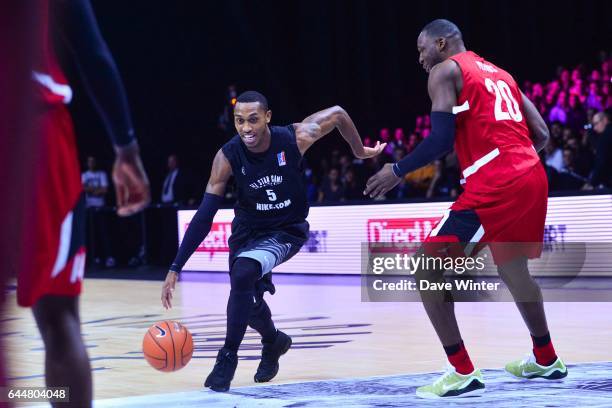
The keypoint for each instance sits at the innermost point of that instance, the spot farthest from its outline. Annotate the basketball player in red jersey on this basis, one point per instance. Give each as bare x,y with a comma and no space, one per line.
496,132
53,253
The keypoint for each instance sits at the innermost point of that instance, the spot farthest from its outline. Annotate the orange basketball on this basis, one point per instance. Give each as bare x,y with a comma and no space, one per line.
167,346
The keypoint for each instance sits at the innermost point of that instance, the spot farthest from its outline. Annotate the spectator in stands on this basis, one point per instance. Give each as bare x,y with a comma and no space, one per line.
418,126
445,182
324,167
385,137
311,186
602,171
583,158
225,122
95,185
399,140
402,190
556,131
553,156
606,95
606,71
332,189
567,134
564,80
576,116
352,189
547,105
559,111
345,163
177,184
567,178
594,99
413,141
576,75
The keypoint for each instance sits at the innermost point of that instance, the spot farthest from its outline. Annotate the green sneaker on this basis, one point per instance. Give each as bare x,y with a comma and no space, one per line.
528,368
453,384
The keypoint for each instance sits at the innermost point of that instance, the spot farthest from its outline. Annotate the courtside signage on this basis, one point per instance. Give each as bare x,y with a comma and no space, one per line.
337,232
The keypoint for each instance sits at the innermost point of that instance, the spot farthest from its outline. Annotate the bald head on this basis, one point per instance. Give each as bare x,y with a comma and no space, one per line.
437,41
442,28
600,121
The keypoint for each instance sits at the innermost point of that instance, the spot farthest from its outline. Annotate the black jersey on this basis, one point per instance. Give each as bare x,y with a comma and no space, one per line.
270,185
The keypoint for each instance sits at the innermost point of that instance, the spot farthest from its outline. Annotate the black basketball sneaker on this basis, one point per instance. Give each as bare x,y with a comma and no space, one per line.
268,366
223,372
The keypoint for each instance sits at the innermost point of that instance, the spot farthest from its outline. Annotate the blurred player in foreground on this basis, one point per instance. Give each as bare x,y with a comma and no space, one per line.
51,271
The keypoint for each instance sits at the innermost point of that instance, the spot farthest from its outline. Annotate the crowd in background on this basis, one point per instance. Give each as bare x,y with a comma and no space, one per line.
577,156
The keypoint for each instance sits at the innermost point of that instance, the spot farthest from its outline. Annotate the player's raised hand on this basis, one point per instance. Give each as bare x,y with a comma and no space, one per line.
383,181
131,182
168,289
368,152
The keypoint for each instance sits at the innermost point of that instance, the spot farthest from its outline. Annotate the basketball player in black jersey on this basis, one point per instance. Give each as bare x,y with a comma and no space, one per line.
270,220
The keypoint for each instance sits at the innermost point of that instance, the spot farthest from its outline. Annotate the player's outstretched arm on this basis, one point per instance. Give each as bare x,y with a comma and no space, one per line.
443,88
538,131
79,28
201,223
319,124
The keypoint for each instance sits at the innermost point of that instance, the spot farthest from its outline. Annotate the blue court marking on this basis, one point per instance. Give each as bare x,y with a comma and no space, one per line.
587,385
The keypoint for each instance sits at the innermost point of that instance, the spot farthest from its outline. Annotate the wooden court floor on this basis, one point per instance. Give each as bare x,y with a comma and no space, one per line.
335,335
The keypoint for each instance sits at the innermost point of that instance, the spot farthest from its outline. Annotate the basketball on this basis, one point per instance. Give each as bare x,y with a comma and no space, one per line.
167,346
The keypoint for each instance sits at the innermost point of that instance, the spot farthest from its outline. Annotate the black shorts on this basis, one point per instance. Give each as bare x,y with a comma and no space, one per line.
269,247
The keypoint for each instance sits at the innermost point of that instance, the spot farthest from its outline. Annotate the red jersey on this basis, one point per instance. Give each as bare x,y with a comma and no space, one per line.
51,84
492,139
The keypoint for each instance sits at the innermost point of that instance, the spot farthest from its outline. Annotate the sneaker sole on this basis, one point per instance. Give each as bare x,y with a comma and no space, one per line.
557,374
474,389
219,389
474,393
285,350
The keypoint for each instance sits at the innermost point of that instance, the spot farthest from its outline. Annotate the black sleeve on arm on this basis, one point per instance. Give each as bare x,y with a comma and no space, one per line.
439,142
78,25
198,228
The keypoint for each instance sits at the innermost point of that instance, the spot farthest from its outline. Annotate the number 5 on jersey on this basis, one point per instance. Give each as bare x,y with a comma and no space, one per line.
502,91
271,195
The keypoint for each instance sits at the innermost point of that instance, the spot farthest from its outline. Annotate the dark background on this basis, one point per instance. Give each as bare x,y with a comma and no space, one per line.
177,58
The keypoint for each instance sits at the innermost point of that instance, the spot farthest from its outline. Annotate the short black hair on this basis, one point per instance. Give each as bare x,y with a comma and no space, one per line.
442,28
253,96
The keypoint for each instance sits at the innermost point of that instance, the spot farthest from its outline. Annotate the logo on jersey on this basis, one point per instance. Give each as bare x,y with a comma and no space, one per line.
243,171
266,181
485,67
281,158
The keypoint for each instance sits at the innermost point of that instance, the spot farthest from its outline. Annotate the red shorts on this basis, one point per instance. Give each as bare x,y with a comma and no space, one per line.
513,219
53,252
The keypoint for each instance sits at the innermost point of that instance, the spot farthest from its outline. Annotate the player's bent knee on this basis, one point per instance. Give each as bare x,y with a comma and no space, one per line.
244,273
